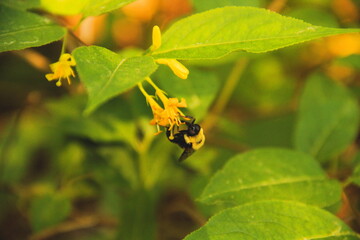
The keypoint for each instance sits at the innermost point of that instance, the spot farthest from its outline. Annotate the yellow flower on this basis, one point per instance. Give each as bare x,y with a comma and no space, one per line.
171,115
167,116
62,69
178,69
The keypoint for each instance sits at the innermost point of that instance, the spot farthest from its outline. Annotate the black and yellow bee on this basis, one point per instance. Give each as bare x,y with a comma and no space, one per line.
188,135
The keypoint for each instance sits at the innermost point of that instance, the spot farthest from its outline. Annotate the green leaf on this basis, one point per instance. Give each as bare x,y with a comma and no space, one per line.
199,89
203,5
275,131
87,7
271,173
21,4
97,7
105,74
121,161
109,124
138,212
20,29
220,31
64,7
49,210
19,143
328,118
268,220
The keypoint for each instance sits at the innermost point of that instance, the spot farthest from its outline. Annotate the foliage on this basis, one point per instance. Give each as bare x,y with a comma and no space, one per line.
274,219
281,157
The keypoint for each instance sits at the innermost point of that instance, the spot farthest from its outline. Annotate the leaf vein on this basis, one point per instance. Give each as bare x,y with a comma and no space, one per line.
237,42
27,30
319,144
110,78
265,184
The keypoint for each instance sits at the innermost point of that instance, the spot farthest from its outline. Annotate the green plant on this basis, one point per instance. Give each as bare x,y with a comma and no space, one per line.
97,144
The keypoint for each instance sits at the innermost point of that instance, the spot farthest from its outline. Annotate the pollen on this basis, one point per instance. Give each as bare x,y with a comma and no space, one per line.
62,69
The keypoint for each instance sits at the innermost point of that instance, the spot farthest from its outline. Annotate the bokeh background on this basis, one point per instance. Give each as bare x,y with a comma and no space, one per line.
67,176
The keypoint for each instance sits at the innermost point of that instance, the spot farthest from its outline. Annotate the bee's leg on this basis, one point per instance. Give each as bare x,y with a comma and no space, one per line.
174,130
186,153
189,119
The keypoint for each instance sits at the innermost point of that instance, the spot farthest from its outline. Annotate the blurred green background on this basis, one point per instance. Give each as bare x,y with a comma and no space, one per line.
64,175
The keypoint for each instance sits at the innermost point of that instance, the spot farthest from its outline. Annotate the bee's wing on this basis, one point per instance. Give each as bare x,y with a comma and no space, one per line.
186,153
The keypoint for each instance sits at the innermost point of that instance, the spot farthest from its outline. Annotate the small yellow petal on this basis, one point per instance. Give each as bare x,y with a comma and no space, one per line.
54,66
64,57
162,96
157,133
156,38
50,76
178,69
153,104
162,61
182,103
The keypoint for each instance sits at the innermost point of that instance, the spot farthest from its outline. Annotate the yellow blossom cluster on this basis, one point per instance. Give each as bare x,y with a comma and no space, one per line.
62,69
167,116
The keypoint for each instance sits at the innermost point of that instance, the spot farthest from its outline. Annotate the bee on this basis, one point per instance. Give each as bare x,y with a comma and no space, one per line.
188,135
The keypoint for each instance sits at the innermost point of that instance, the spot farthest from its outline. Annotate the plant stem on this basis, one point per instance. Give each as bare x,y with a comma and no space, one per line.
144,160
153,84
63,44
225,93
8,136
142,149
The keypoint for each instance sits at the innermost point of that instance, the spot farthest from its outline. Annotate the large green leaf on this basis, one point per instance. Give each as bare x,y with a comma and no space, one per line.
217,32
21,4
328,118
203,5
64,7
20,29
271,173
269,220
87,7
105,74
97,7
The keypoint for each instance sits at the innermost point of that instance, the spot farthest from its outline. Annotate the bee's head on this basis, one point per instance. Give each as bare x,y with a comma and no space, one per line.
193,129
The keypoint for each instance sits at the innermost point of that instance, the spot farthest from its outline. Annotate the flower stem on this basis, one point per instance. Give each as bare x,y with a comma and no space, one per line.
143,158
225,93
140,86
64,44
153,84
